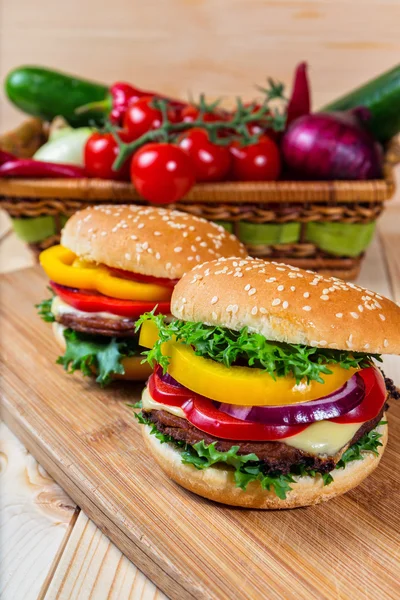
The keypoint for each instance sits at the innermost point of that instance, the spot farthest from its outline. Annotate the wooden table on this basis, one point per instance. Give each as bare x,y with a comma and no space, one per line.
52,549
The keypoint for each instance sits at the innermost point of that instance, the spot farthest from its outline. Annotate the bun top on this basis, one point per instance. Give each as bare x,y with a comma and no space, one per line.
287,304
147,240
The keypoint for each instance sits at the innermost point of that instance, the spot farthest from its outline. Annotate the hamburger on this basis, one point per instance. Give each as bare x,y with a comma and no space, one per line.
115,263
265,391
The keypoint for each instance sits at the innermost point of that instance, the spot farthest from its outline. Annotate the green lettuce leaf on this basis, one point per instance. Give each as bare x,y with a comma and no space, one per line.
83,352
248,467
252,349
44,310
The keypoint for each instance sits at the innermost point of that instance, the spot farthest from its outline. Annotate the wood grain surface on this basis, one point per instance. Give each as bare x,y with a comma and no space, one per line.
220,47
88,441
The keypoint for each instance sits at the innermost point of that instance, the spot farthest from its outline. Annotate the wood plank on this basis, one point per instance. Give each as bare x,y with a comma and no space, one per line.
219,47
14,254
35,515
92,567
189,547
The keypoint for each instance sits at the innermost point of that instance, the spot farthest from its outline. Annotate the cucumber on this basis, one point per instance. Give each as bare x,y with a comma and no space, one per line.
269,233
46,94
341,239
36,229
382,97
228,225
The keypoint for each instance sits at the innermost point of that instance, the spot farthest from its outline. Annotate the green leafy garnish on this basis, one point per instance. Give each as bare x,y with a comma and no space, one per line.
102,354
44,310
248,468
251,349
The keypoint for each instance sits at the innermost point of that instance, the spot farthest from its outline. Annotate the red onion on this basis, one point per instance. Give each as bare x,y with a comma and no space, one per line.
331,146
167,378
336,404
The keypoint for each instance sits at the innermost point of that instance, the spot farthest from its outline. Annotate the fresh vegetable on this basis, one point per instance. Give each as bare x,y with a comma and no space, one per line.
230,347
162,173
66,148
374,398
330,146
6,157
100,152
46,93
249,468
192,113
141,117
103,355
92,302
256,162
211,161
340,239
299,103
381,96
63,267
269,233
27,167
333,405
202,413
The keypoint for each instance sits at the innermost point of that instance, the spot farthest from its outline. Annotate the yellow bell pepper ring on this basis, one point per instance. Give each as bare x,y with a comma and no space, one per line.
63,267
244,386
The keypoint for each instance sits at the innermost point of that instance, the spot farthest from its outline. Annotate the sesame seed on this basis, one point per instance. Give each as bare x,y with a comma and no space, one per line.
157,233
140,226
214,299
270,279
280,288
252,291
385,343
276,302
306,295
324,297
307,308
382,317
133,237
366,346
145,245
128,256
325,291
354,315
360,308
254,310
280,269
285,304
158,255
263,310
339,315
214,315
293,288
178,249
247,287
103,233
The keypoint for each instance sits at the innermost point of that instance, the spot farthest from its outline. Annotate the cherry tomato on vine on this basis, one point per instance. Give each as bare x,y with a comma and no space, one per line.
162,173
100,152
191,113
141,117
211,161
256,162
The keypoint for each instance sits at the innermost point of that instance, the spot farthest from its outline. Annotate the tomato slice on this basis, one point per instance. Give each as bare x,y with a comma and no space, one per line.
94,302
202,413
169,283
374,399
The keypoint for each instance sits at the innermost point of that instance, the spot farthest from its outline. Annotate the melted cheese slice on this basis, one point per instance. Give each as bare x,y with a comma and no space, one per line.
322,438
59,307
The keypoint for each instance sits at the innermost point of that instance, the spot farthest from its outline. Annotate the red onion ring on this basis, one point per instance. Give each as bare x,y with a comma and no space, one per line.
334,405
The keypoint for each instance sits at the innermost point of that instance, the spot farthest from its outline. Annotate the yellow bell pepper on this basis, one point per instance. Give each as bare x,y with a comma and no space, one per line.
62,266
245,386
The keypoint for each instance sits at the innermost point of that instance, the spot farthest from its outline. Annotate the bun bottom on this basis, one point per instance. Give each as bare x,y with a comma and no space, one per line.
134,369
217,483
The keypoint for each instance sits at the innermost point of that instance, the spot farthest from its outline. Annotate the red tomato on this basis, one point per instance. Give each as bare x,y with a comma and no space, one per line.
256,162
191,113
211,161
92,302
100,152
162,173
145,278
141,117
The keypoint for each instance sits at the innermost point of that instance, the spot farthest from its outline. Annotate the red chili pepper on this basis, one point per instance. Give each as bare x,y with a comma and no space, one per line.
94,302
123,94
300,102
6,157
27,167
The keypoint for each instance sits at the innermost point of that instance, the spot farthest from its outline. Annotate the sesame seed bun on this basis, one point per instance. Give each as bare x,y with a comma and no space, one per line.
287,304
135,369
217,483
147,240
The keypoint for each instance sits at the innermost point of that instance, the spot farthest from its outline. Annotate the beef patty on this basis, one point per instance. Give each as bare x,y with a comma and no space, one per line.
277,456
98,325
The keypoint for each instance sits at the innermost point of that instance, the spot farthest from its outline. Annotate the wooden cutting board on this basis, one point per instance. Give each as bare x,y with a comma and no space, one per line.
191,548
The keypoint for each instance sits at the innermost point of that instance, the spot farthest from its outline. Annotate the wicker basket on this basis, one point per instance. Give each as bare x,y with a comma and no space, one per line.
289,213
